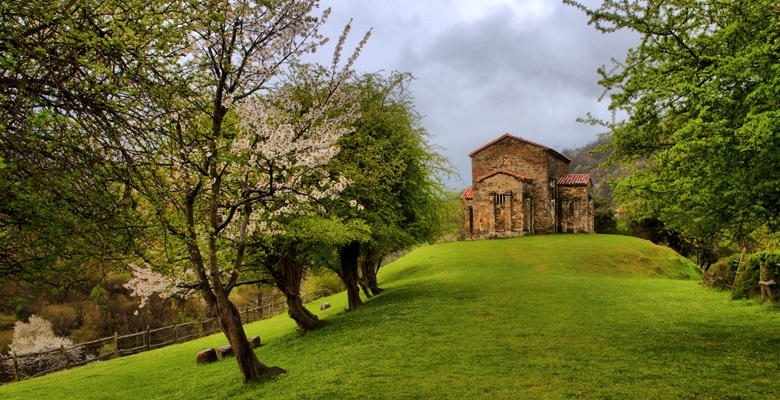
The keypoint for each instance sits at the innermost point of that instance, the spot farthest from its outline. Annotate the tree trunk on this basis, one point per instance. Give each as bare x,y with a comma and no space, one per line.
372,283
230,322
767,282
349,273
288,276
741,264
363,283
369,265
304,318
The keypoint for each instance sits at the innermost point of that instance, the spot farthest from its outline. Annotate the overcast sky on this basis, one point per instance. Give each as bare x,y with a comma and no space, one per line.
486,67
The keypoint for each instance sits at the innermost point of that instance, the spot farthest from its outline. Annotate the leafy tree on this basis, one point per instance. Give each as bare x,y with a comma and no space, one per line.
701,92
395,179
174,112
74,74
307,243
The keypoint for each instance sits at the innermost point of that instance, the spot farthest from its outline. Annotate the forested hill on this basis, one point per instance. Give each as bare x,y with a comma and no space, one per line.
588,160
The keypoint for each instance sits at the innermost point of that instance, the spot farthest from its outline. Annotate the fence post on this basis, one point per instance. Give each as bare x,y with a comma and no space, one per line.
175,334
148,338
116,345
16,366
65,354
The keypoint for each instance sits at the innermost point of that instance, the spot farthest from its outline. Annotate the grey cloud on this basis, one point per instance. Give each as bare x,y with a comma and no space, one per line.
480,78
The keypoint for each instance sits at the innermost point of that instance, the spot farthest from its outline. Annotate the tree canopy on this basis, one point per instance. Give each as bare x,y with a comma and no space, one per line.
395,176
702,95
76,76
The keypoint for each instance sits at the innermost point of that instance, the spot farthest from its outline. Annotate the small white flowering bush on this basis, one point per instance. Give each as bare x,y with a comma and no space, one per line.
38,349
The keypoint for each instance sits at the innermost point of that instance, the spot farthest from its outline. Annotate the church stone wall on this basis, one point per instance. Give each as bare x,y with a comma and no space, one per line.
576,209
512,155
497,219
525,159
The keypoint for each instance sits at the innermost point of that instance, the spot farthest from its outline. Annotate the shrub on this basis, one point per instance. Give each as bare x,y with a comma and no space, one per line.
722,273
36,346
6,337
324,280
21,311
746,283
604,220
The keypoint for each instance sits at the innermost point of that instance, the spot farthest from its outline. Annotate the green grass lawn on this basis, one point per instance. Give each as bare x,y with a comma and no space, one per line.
538,317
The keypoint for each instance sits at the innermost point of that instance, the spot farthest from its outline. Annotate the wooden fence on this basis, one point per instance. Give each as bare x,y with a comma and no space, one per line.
15,367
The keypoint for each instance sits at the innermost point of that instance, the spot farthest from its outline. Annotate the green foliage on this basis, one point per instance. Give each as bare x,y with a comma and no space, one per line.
324,279
497,319
395,173
746,283
21,311
78,76
604,220
703,129
722,273
591,159
98,295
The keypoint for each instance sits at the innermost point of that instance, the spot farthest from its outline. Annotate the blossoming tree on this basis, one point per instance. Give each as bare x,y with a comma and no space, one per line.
246,144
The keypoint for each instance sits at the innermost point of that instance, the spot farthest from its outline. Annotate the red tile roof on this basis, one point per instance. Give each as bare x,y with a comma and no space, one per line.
468,194
504,171
506,135
574,179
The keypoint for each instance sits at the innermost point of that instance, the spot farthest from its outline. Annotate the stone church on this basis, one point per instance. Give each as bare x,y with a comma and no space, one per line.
520,187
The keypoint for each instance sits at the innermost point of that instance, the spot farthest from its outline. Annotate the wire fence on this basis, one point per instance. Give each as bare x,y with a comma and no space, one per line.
16,367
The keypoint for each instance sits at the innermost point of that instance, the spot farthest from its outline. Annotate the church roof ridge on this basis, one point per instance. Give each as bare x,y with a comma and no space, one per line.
506,135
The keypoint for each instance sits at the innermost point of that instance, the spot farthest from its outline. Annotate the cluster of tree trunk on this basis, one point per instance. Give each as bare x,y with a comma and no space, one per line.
369,266
349,255
359,266
287,272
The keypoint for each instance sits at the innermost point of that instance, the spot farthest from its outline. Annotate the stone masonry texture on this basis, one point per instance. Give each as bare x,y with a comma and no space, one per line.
515,191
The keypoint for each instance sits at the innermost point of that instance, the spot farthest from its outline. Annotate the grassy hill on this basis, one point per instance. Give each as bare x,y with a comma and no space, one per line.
558,316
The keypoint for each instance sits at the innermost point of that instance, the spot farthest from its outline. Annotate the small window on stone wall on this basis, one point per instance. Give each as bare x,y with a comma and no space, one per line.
501,198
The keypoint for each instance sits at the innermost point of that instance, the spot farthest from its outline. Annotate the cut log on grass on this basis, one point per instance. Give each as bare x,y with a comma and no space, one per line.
254,342
324,306
225,351
206,356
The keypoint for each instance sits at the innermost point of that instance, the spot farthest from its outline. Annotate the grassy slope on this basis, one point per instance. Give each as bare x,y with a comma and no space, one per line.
580,316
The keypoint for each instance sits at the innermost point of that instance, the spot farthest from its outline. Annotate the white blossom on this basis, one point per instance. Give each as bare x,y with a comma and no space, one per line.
146,282
35,345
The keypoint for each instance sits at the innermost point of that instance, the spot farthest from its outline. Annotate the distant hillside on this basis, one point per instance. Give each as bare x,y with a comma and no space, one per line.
587,160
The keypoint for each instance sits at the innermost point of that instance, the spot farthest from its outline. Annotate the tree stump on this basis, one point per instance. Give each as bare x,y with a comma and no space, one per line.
225,351
206,356
254,342
324,306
